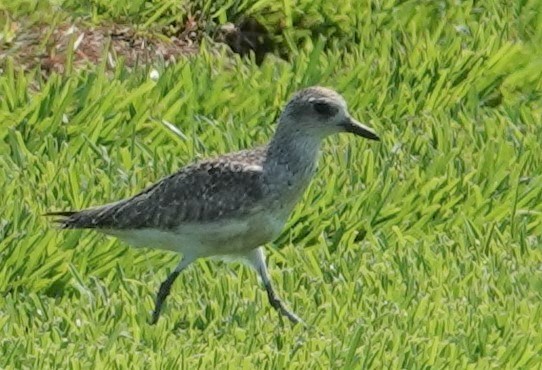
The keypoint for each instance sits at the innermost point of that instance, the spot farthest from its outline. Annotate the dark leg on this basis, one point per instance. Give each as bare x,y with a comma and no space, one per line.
165,288
257,259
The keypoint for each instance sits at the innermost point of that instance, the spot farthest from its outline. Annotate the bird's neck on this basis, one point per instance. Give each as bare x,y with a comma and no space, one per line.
291,160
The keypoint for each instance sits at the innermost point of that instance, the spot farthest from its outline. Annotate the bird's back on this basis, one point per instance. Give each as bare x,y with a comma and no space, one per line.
206,191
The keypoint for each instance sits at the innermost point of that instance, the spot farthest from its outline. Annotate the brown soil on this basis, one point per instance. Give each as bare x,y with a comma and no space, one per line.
48,46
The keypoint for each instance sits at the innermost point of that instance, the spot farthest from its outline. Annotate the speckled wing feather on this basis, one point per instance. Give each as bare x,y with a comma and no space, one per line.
205,191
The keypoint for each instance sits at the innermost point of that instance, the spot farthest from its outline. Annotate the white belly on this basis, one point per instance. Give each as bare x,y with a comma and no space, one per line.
208,239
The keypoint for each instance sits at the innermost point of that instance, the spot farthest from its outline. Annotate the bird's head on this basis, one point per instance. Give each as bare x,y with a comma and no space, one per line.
319,112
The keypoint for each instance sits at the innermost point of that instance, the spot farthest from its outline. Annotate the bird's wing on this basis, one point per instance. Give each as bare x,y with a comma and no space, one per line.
205,191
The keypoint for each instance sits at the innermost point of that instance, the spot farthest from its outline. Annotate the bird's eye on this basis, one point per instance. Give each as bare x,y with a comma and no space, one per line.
325,109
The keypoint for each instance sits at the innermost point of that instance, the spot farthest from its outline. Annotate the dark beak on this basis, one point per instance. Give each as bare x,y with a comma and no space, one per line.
356,128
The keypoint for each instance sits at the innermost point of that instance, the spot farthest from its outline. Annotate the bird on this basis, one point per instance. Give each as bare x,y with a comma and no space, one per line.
231,205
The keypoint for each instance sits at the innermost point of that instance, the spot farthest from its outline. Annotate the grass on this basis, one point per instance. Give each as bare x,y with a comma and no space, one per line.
423,251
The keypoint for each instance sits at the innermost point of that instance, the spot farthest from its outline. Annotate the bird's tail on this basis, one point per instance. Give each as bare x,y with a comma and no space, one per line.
66,219
60,213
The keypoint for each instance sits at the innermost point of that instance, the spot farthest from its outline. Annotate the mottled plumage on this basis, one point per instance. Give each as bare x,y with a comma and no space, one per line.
233,204
204,191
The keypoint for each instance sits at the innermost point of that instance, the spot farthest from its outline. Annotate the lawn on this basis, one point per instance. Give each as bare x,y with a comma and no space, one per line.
421,251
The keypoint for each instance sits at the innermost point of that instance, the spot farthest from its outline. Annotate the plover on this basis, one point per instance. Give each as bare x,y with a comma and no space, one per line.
231,205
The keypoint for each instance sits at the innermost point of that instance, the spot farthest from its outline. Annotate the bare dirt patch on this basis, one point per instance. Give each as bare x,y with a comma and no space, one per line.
79,44
51,46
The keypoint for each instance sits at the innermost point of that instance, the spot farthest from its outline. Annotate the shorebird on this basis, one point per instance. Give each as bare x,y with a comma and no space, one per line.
231,205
